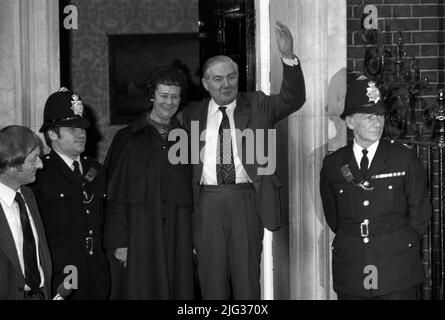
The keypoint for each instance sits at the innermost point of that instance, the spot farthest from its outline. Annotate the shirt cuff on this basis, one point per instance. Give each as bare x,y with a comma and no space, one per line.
291,62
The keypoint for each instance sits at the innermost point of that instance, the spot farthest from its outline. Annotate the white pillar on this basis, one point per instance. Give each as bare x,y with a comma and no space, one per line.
319,28
29,59
263,84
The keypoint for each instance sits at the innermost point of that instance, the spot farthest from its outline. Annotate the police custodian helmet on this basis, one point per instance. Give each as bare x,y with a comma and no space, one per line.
64,109
364,96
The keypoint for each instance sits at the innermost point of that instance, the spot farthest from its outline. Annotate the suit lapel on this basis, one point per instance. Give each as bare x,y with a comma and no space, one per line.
44,255
32,206
203,111
7,243
242,113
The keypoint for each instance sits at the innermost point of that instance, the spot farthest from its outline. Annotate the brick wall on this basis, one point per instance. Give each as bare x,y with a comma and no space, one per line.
423,25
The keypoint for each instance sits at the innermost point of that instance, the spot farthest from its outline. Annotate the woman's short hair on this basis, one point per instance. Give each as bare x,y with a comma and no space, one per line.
170,76
16,143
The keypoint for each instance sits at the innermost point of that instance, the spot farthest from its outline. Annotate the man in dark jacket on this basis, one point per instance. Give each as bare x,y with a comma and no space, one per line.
375,200
236,196
70,192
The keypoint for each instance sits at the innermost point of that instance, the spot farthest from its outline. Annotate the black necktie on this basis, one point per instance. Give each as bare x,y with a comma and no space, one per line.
364,163
225,168
76,167
32,274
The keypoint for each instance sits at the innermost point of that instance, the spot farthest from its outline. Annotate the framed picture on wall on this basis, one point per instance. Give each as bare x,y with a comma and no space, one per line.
132,58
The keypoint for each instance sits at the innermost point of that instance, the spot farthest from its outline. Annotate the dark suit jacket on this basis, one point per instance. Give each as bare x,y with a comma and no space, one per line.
398,209
255,110
12,282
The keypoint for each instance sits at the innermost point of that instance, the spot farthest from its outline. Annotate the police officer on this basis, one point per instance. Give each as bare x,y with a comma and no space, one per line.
375,200
70,191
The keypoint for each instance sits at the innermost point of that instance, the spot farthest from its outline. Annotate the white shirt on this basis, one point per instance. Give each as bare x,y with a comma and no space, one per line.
69,162
371,152
214,118
12,212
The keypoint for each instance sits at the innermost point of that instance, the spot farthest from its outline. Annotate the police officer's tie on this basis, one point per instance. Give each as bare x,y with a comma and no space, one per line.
32,274
225,168
76,168
364,163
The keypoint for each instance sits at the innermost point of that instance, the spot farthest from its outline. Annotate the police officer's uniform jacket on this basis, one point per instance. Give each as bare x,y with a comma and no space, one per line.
377,219
72,211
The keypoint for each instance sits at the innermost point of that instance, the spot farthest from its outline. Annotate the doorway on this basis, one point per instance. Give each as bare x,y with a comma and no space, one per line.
228,28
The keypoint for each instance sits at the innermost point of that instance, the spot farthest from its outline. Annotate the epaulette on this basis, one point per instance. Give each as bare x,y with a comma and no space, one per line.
407,146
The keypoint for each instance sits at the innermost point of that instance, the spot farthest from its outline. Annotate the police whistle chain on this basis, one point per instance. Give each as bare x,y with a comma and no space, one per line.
347,174
89,177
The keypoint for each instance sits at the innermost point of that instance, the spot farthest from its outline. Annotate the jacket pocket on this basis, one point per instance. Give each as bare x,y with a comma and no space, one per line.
63,203
345,200
390,195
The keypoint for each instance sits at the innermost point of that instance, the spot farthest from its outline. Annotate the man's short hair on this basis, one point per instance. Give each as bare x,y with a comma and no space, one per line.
48,141
213,60
16,143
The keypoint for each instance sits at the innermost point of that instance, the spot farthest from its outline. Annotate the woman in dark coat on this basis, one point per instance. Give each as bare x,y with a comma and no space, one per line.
148,228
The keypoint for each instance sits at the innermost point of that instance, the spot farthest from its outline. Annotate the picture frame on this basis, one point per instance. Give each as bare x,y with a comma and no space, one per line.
132,58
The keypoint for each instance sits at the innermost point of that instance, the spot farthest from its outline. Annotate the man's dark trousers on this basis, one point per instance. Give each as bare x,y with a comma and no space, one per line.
228,239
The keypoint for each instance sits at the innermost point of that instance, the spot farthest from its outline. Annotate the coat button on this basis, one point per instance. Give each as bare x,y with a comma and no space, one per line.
88,211
366,203
62,195
409,245
390,187
341,191
91,232
366,240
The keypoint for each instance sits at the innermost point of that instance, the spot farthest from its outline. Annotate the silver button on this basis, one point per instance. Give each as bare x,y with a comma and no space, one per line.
390,187
366,240
62,195
341,191
88,211
91,232
409,245
332,248
366,203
